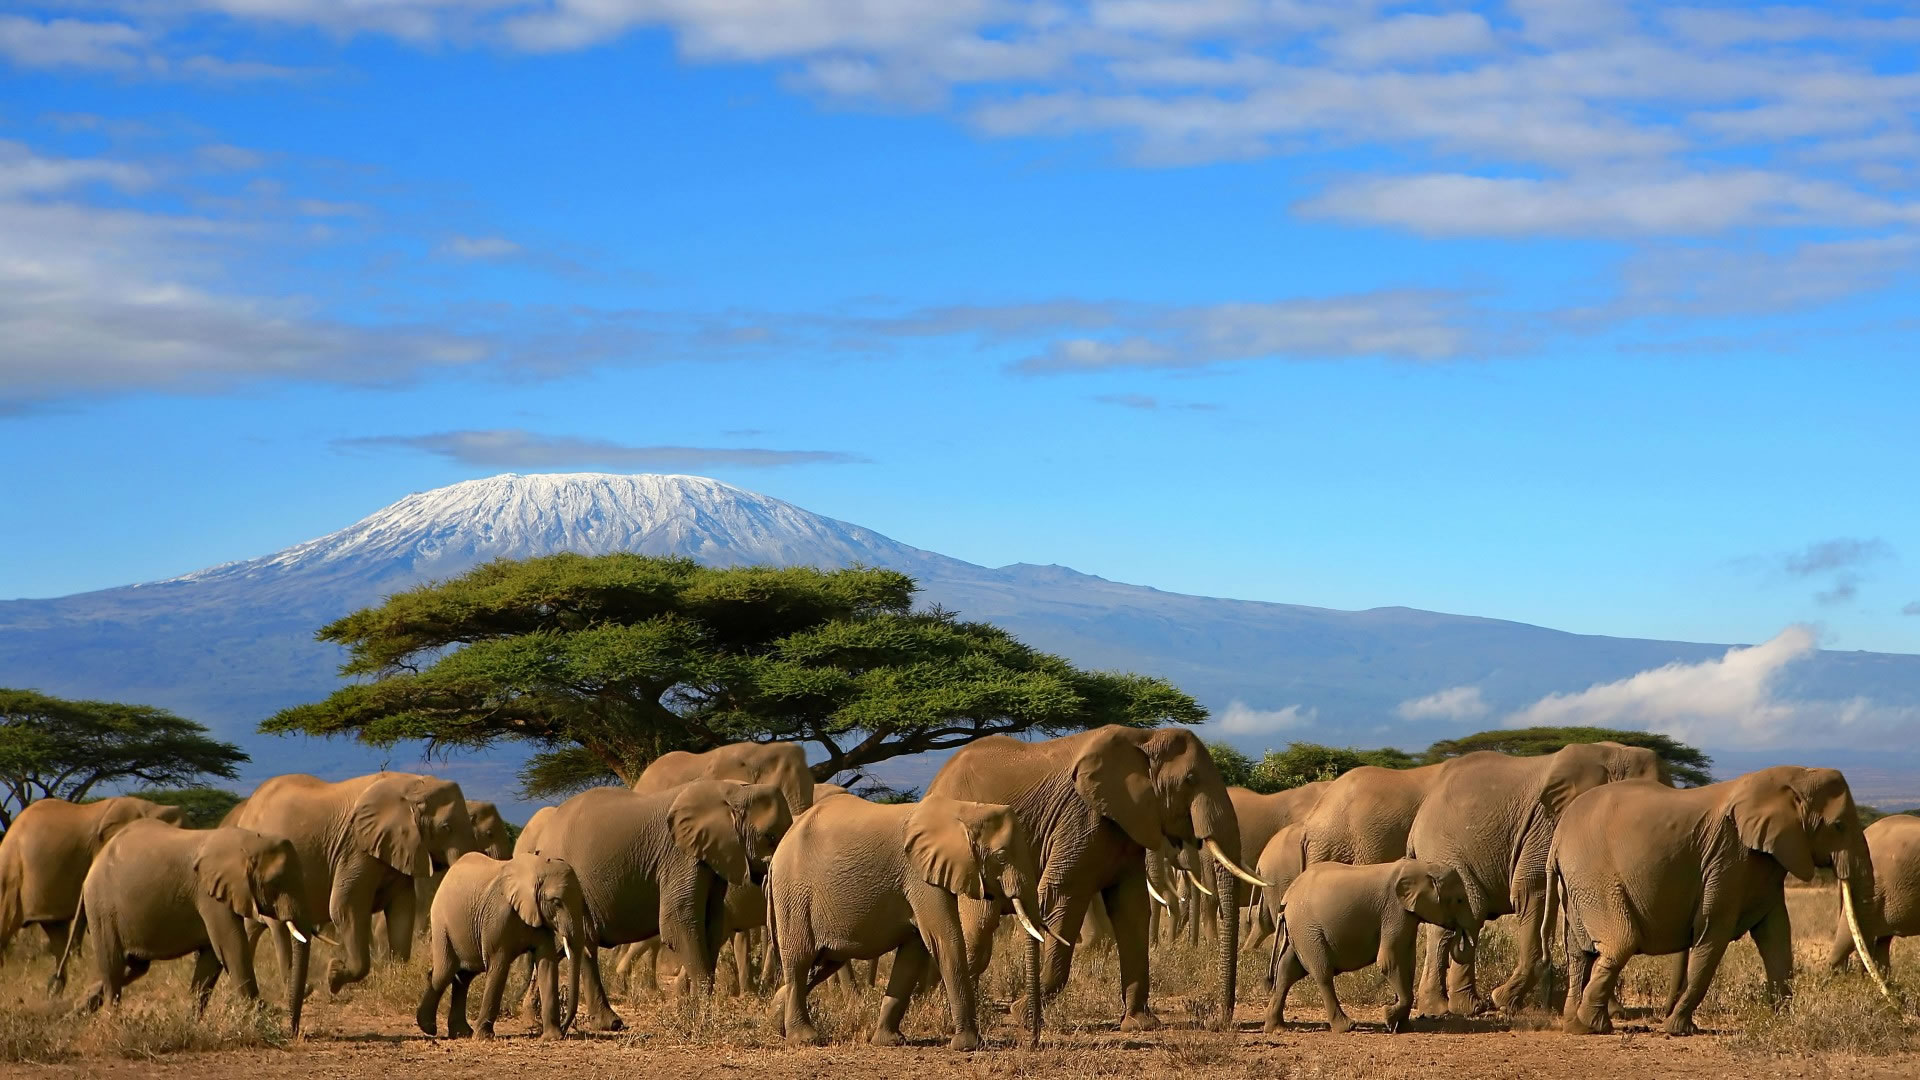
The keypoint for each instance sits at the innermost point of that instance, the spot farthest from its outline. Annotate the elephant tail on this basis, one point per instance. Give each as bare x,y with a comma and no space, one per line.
57,982
1556,904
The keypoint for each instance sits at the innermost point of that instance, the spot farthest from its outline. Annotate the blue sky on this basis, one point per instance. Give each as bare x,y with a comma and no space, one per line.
1593,315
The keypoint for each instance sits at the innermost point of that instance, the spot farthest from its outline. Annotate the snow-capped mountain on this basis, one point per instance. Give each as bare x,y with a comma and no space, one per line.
231,644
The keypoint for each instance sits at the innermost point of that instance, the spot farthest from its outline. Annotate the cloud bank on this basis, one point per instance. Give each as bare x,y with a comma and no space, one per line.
1242,719
515,448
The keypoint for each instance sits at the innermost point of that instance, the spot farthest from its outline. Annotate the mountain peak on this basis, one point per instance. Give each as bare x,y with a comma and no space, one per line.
446,530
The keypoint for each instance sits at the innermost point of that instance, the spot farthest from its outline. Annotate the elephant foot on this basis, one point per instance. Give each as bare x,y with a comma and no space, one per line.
882,1037
1144,1020
1504,997
803,1035
1396,1022
462,1030
965,1040
1274,1025
1340,1023
1586,1021
606,1019
1679,1025
1433,1005
424,1016
484,1032
1466,1003
553,1032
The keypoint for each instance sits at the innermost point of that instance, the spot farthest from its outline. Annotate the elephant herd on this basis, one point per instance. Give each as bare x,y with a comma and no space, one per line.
1117,823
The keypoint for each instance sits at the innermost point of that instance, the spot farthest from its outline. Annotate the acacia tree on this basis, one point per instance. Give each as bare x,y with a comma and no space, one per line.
603,663
54,748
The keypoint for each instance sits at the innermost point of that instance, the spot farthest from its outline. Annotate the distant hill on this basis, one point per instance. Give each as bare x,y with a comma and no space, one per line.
233,643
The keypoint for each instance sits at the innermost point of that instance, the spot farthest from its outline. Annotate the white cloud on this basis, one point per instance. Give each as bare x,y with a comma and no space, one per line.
1455,703
480,247
77,43
1242,719
1416,37
1729,701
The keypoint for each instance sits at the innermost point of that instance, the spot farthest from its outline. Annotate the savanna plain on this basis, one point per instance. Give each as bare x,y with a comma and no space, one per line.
1835,1025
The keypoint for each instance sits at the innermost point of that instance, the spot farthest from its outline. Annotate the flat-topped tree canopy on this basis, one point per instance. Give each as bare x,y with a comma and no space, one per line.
606,662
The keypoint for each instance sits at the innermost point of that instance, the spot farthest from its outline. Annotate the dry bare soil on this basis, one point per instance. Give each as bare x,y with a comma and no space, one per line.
1836,1025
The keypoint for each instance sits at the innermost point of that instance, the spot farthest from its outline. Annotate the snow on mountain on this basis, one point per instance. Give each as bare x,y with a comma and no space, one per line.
446,530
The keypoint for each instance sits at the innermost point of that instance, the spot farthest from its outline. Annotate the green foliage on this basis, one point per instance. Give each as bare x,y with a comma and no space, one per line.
52,747
1687,765
605,663
1304,762
1235,767
205,806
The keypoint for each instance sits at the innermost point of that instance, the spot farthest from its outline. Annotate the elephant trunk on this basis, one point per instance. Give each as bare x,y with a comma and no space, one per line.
573,984
1032,1018
297,984
1228,887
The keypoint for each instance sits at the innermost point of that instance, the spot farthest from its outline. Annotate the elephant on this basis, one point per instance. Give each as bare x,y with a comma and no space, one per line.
782,765
1337,918
1647,869
1261,816
857,880
362,843
156,892
45,854
746,911
1283,860
490,912
1894,911
1491,818
490,835
1095,803
661,864
1364,815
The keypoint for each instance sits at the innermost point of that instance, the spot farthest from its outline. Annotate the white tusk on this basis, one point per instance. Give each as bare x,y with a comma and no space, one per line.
1860,940
1032,930
295,931
327,939
1213,849
1157,898
1195,880
566,950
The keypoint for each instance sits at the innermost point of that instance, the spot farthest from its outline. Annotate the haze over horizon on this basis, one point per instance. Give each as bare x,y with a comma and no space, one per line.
1586,314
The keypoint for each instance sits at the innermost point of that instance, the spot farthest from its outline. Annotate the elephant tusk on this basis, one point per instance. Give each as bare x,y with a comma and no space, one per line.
1213,849
1194,880
1157,898
1860,939
1026,924
295,931
566,950
327,940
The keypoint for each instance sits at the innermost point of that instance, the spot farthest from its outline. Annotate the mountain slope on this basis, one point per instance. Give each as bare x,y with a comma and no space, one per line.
232,643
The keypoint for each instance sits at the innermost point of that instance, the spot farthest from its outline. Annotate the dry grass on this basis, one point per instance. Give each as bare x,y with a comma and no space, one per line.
1834,1017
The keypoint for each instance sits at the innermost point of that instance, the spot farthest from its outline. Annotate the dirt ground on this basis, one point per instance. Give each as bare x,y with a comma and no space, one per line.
1835,1026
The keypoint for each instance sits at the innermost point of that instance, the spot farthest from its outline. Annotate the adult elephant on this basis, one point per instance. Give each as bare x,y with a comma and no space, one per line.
362,844
45,855
1490,817
780,765
1893,910
1365,814
660,864
1094,804
490,832
1261,817
1647,869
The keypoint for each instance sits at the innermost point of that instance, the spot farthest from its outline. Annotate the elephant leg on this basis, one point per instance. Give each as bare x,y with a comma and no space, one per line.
1463,989
137,968
909,961
941,936
206,972
1883,955
600,1015
350,907
1259,926
1126,903
57,931
233,952
498,965
400,916
546,970
1703,960
457,1025
1287,971
1527,959
1587,1014
1773,936
1432,999
1397,964
439,977
743,964
797,957
1321,971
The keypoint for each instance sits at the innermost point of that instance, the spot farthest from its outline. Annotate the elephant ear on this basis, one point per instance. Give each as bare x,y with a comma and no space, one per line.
1769,817
1575,770
1409,882
520,880
387,824
225,869
706,828
1111,774
943,843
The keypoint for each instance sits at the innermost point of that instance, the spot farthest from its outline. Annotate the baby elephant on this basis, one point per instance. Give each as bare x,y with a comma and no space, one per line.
156,892
854,880
488,913
1337,918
